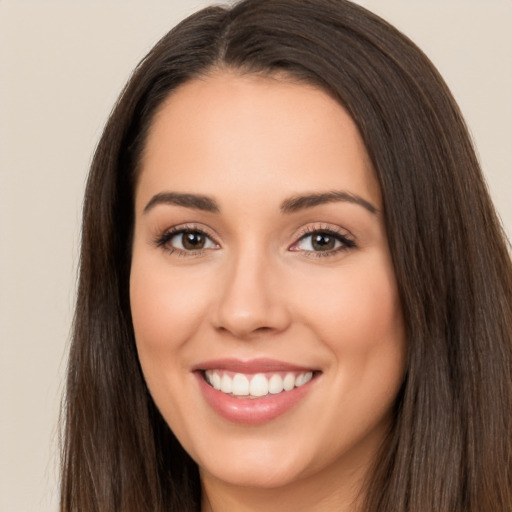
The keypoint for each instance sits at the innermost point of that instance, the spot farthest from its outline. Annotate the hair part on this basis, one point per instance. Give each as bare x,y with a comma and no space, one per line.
450,447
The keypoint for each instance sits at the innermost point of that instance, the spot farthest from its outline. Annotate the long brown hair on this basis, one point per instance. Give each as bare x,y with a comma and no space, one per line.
450,447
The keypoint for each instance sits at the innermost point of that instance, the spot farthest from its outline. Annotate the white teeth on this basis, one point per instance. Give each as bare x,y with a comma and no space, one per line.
306,378
257,385
303,378
289,382
240,384
216,381
275,384
226,384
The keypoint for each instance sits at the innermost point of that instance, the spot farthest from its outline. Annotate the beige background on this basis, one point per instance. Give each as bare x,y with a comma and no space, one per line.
62,64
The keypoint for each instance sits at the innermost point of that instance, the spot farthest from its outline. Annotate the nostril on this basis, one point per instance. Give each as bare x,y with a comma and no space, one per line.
263,329
245,332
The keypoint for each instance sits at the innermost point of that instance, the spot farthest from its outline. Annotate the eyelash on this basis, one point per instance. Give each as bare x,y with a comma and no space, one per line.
164,239
346,242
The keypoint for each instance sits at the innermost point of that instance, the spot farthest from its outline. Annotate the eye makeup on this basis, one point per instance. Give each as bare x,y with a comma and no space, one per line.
191,240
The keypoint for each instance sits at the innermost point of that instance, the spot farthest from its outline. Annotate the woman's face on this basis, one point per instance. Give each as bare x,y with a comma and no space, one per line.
261,267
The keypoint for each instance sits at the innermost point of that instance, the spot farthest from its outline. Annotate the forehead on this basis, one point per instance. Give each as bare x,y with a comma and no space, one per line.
244,135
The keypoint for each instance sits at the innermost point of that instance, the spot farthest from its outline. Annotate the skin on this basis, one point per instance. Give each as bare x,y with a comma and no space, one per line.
260,289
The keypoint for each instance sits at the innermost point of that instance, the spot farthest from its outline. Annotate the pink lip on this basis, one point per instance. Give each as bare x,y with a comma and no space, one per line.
253,366
251,411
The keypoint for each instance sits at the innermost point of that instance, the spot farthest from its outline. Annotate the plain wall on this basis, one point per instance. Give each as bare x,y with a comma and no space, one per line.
62,65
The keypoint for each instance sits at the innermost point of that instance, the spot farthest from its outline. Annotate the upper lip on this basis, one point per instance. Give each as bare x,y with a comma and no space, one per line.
260,365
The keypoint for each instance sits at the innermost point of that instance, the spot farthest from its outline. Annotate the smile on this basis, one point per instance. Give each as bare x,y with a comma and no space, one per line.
254,392
256,385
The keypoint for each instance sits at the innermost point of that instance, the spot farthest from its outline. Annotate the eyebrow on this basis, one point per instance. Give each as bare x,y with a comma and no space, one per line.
196,201
291,205
302,202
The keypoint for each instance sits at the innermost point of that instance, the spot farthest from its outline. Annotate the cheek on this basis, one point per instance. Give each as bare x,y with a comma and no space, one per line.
355,309
167,310
166,307
358,317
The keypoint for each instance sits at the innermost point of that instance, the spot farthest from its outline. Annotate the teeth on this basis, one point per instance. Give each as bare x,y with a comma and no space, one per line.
257,385
275,384
240,384
215,381
289,382
226,384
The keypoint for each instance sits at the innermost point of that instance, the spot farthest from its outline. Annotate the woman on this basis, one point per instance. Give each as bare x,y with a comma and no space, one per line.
294,290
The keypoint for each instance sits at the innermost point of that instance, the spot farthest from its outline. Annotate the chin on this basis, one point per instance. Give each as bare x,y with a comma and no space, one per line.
260,465
256,475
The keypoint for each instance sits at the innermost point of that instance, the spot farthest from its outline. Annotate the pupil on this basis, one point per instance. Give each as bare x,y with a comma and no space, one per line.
323,242
193,240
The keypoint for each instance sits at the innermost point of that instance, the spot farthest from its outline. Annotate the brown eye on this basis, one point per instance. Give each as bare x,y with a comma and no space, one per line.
189,240
323,242
192,240
320,241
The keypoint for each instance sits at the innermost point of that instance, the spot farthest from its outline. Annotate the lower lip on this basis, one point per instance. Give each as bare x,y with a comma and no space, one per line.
252,411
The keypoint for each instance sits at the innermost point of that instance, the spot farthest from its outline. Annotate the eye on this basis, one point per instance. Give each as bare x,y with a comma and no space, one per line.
191,241
324,241
186,241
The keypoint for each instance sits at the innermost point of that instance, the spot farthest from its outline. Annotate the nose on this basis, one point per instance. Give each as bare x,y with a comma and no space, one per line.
252,299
